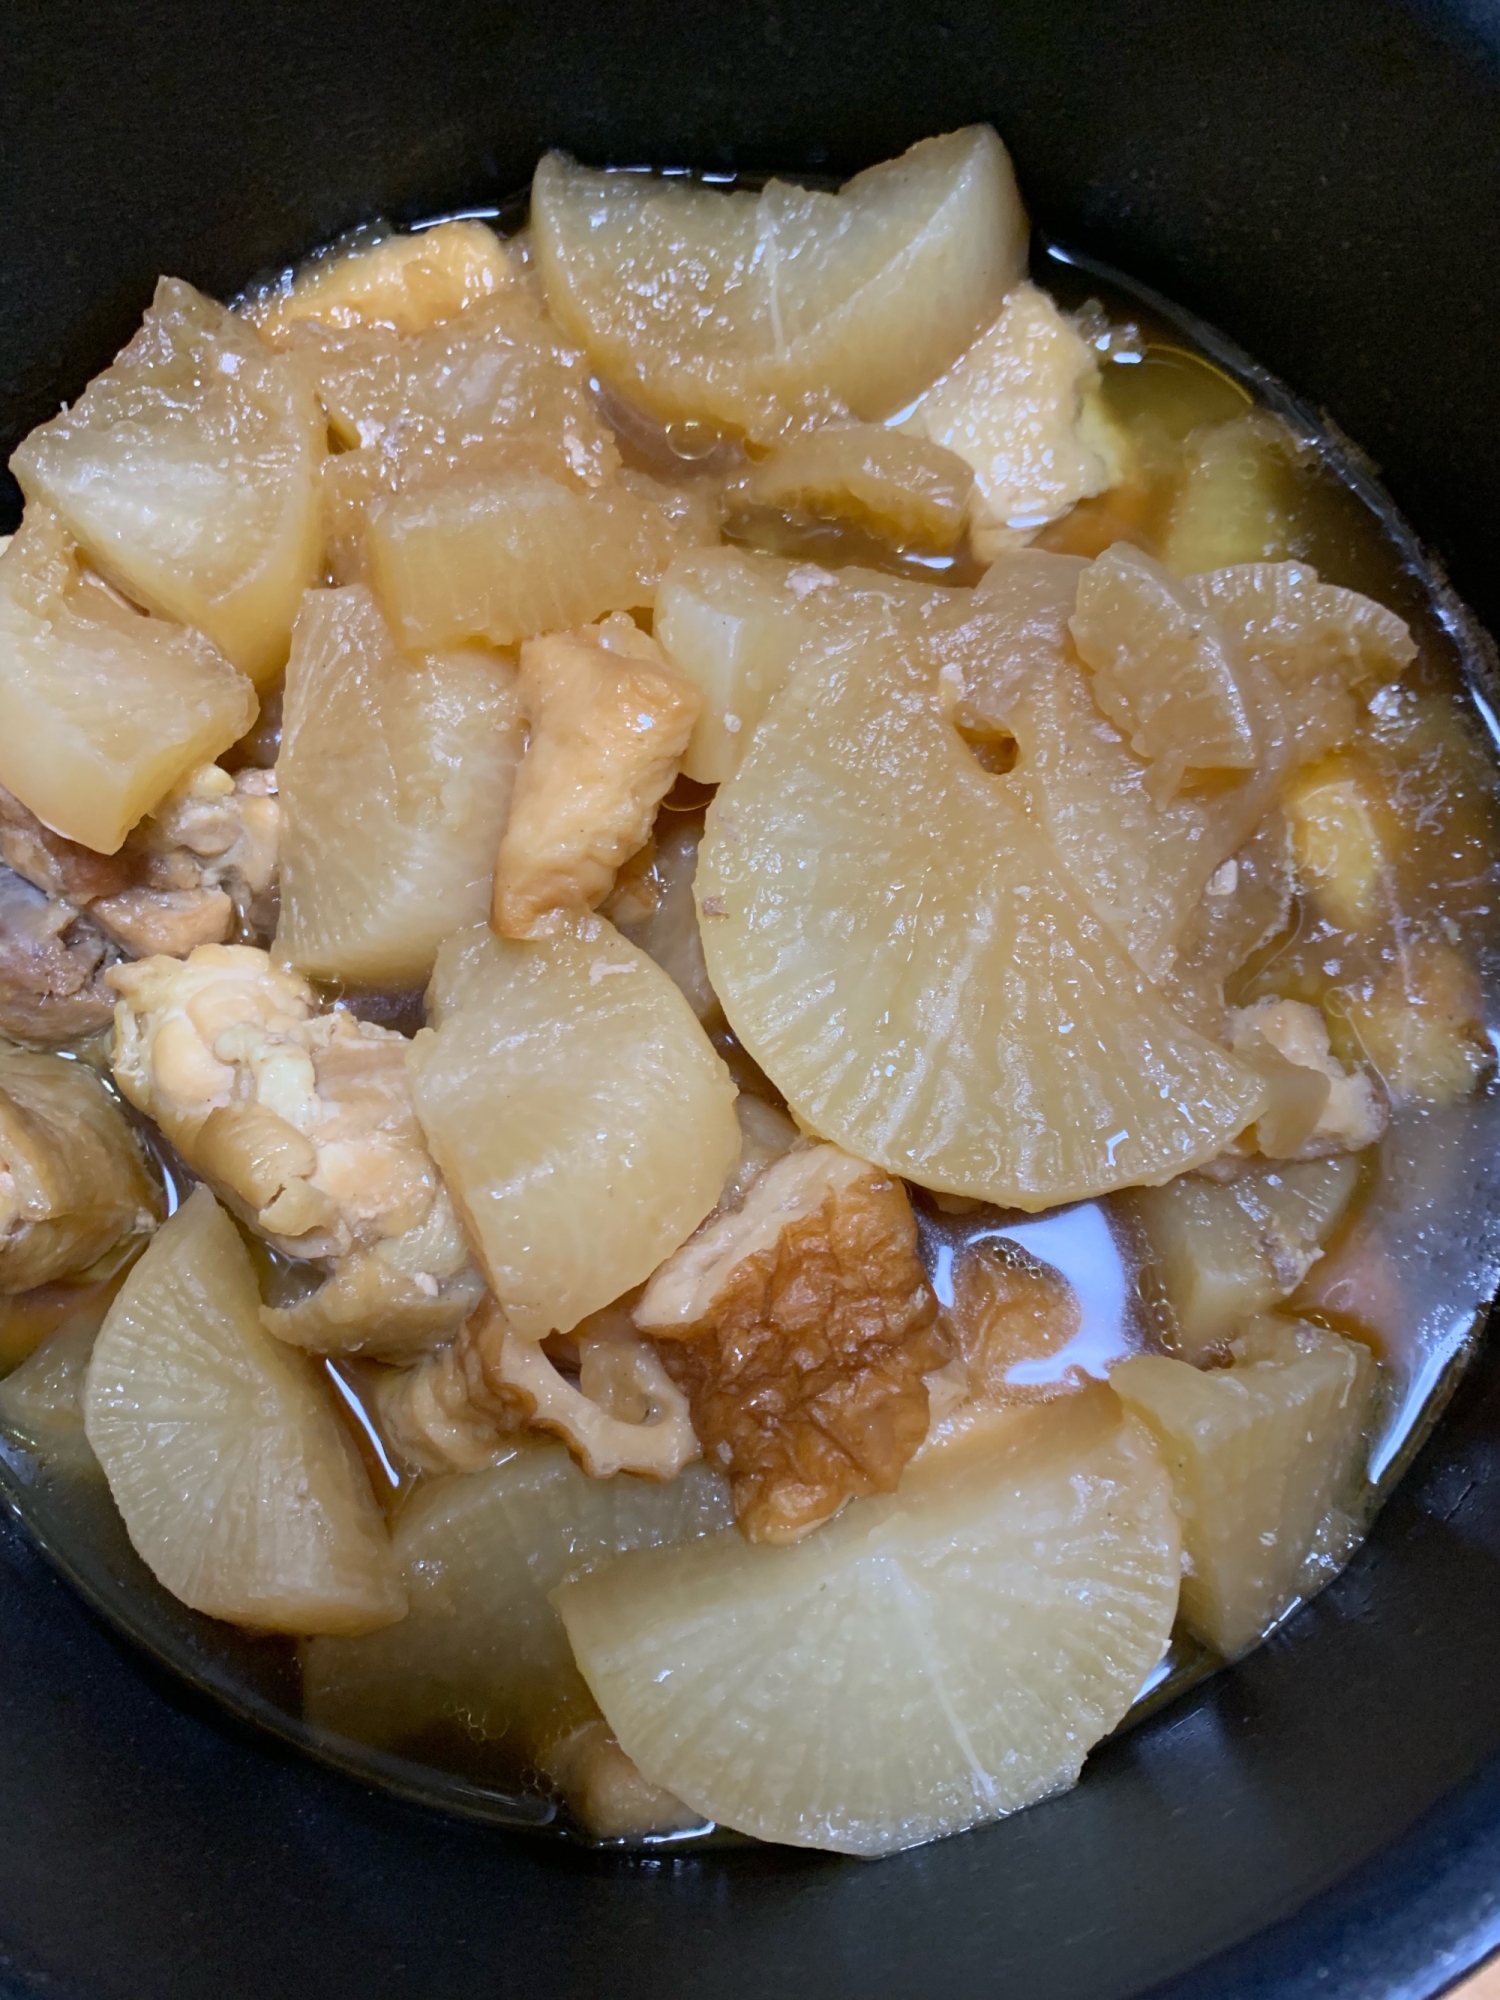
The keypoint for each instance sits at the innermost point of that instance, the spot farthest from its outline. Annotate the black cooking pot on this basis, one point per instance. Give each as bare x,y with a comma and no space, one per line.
1324,183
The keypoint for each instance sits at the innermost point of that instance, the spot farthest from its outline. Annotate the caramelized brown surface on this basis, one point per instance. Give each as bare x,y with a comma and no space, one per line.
806,1380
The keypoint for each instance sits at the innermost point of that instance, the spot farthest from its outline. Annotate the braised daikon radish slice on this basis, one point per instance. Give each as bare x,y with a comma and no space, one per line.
582,1121
188,473
909,490
752,310
103,710
42,1400
408,283
1342,854
1223,1252
495,392
1162,671
1325,644
1260,1453
733,621
482,1653
395,779
1141,862
1237,499
925,1662
1423,1028
504,558
893,938
240,1488
500,374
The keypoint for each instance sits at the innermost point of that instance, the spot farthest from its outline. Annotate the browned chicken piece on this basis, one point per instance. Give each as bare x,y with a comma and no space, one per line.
652,904
209,851
63,869
172,922
303,1121
609,720
1009,1318
52,965
71,1180
1022,406
801,1325
201,869
440,1416
602,1389
1317,1106
623,1413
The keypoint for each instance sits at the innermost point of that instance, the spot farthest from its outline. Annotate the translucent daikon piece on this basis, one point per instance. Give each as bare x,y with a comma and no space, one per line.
188,472
395,779
240,1488
582,1120
103,710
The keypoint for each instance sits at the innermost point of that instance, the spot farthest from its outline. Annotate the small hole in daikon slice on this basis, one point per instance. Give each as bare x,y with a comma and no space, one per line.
994,750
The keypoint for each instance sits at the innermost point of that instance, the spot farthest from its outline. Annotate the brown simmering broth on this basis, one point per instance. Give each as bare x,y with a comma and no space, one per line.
1412,1266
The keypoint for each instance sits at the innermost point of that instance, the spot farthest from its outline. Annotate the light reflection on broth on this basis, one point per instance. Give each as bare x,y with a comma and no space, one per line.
1085,1248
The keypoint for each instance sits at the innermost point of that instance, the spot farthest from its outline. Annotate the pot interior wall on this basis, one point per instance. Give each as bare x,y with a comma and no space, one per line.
1322,183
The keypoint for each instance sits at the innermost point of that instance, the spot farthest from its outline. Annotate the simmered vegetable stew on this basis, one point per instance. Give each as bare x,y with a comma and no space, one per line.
740,958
